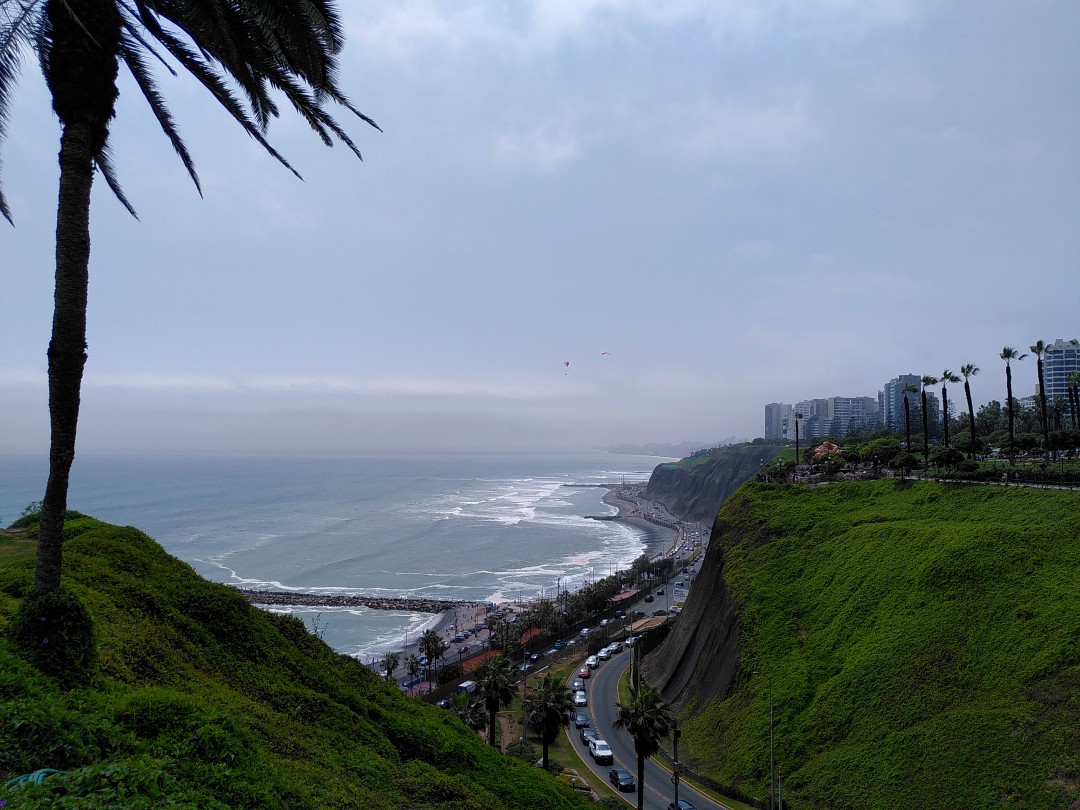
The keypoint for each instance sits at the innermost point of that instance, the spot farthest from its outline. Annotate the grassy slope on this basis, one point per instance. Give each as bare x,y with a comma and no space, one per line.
922,644
205,701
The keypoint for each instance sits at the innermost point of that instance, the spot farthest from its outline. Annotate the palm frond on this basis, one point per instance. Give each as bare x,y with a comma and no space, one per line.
19,25
210,79
105,165
223,35
145,80
132,28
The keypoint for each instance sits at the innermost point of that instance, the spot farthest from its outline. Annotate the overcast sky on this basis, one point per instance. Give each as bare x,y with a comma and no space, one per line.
743,202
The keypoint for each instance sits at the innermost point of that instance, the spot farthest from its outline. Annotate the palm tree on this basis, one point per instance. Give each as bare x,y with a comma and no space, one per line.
970,370
431,645
289,46
908,389
549,708
926,382
1008,354
1039,349
390,662
795,472
472,713
413,667
946,378
1073,379
495,682
648,719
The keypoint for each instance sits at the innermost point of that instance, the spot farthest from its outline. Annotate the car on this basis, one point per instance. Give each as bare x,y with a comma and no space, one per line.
604,654
621,614
587,734
605,622
592,662
622,779
584,672
578,685
580,699
584,631
630,641
600,751
536,656
660,592
443,704
659,612
458,638
559,645
681,804
648,597
581,720
615,646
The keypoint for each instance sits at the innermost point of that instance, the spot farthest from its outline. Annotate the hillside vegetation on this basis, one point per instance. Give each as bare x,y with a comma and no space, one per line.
920,641
203,701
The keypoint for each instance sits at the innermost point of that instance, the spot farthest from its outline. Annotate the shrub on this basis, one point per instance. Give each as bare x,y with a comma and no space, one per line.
55,633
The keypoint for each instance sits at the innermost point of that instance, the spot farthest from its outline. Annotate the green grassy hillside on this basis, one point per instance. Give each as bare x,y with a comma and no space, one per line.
921,643
203,701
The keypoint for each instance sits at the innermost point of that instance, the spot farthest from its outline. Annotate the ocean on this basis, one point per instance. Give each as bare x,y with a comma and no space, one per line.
481,527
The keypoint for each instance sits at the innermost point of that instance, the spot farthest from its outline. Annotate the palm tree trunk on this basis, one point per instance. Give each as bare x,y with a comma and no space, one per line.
641,781
945,413
971,417
493,718
1012,415
1042,408
925,431
67,348
907,423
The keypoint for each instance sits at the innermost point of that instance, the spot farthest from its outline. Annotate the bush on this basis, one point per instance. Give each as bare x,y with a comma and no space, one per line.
55,633
449,672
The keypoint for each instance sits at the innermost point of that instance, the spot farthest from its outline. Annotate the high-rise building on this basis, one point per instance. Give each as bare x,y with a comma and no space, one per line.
1062,358
891,400
777,421
844,415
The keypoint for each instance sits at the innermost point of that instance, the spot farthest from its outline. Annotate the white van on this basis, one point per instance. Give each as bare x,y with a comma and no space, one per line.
467,686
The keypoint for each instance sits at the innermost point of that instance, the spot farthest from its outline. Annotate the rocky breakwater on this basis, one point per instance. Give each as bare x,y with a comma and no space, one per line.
353,600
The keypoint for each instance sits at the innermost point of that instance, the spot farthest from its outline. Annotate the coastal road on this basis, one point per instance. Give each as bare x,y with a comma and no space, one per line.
602,690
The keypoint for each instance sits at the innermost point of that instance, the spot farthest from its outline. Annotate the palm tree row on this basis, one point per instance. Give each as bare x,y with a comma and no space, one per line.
1040,349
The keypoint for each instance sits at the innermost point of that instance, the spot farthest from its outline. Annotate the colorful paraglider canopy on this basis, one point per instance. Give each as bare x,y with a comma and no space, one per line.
567,364
605,353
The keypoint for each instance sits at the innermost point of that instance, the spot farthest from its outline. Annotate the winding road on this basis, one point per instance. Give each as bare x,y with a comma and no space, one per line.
603,693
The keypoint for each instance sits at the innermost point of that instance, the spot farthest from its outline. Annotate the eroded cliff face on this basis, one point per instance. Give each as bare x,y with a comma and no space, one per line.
696,491
698,661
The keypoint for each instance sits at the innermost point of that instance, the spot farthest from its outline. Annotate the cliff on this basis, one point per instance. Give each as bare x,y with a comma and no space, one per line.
695,488
918,644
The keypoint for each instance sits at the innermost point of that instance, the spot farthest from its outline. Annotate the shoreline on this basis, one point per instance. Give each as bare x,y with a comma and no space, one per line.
657,538
446,617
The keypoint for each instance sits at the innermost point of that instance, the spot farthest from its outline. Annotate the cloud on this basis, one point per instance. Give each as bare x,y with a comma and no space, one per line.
732,133
545,147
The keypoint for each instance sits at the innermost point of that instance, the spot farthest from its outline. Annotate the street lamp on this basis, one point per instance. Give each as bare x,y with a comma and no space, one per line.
772,781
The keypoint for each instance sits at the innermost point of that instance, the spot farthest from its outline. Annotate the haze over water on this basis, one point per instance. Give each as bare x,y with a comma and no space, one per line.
483,527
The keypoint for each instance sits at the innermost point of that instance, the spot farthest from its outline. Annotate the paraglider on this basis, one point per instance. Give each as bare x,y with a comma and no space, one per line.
567,364
607,354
